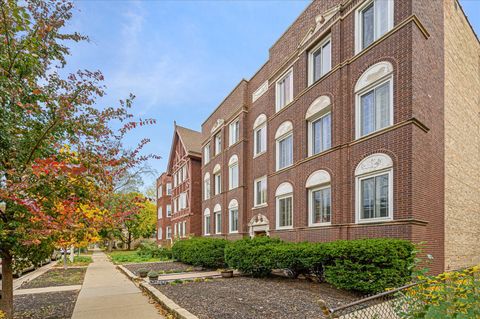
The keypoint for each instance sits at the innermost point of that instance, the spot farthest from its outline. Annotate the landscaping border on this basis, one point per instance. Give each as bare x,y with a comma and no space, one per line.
168,304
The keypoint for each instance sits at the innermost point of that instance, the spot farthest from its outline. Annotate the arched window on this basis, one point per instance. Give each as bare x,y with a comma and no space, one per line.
217,179
260,135
374,99
206,222
217,211
233,172
284,206
374,188
319,198
319,119
284,145
206,186
233,216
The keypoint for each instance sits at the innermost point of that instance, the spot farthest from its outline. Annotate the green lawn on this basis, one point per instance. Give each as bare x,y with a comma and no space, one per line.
122,257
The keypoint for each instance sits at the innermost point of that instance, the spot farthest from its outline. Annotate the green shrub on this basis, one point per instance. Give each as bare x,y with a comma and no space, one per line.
256,257
201,251
149,249
367,265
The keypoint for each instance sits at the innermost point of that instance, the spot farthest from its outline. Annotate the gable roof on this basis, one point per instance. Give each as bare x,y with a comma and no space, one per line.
190,140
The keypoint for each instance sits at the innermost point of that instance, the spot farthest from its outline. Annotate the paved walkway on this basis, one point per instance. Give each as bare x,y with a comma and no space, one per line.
46,289
108,294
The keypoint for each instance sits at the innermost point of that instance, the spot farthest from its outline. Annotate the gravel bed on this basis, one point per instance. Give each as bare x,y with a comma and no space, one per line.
57,277
167,267
51,305
251,298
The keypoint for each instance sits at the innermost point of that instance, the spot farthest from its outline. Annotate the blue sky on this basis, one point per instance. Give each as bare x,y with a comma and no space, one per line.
181,58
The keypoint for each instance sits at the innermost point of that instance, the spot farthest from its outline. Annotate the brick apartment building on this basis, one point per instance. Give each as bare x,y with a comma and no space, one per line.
364,122
184,176
164,208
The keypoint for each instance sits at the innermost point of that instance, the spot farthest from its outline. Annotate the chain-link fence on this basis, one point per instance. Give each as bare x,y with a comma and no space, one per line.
382,306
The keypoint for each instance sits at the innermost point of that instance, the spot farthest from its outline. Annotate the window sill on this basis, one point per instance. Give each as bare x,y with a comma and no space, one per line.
260,206
233,232
259,154
284,228
284,168
320,225
374,220
371,134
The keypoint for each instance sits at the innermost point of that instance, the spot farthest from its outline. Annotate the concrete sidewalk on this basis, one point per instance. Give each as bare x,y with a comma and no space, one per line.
107,294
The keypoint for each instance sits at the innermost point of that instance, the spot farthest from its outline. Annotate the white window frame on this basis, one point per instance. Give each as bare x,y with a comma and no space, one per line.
217,179
169,210
159,233
277,211
359,28
205,217
311,66
168,232
277,142
206,154
218,226
358,195
263,138
255,190
218,143
279,107
159,191
169,189
184,227
207,186
175,230
160,212
233,164
316,118
310,205
234,132
358,105
230,213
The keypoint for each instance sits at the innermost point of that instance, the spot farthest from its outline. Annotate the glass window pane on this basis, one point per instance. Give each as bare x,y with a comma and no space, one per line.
368,198
382,106
317,64
367,113
381,196
367,26
326,132
326,205
381,17
317,137
316,207
326,58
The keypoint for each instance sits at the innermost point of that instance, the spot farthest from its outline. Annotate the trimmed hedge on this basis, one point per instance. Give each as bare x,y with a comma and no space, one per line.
201,251
367,265
148,249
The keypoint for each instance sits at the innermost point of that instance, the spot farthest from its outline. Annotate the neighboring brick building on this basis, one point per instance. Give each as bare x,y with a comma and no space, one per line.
184,172
164,208
364,122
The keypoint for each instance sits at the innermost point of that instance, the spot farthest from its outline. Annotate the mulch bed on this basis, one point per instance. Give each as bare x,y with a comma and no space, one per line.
251,298
51,305
166,267
57,277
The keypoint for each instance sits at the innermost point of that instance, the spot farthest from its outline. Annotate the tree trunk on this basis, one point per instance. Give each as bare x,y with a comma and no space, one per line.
64,258
6,303
129,241
72,253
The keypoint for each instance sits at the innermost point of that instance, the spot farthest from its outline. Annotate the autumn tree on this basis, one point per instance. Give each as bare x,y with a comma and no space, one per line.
59,156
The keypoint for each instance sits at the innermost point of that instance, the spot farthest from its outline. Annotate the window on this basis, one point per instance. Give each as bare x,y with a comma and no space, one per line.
169,189
206,222
233,216
182,202
184,231
184,173
234,130
233,172
175,204
169,232
169,210
320,133
319,60
218,183
174,230
206,186
159,233
160,212
284,142
260,189
218,219
218,143
374,187
175,182
260,135
284,90
319,198
206,154
373,20
374,99
284,203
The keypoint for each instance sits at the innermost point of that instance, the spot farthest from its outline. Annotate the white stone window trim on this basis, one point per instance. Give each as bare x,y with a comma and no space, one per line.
233,205
310,205
159,233
169,210
206,154
318,180
217,210
375,76
284,190
207,190
255,205
358,24
232,163
259,124
311,66
277,96
372,166
168,231
233,134
313,118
